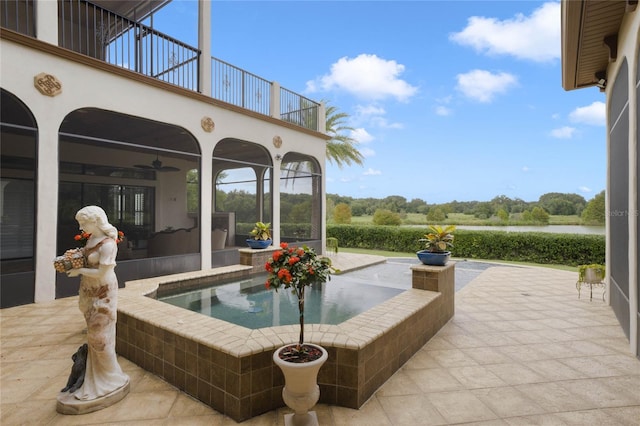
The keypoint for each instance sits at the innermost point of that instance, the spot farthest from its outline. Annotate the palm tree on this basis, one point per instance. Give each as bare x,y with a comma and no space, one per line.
341,148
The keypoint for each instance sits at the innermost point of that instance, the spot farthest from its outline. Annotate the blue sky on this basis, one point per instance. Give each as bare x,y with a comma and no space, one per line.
450,100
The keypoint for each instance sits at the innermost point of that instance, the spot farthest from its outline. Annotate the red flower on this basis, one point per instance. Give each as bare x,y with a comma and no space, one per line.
267,285
293,260
82,238
311,271
276,255
300,252
284,245
268,267
284,275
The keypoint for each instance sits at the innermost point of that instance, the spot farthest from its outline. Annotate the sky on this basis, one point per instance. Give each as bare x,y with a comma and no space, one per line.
449,100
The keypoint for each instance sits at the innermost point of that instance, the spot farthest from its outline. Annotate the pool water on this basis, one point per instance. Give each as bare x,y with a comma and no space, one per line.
249,304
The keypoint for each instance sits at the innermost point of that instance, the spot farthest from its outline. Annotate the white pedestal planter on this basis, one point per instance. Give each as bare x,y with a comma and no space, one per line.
301,391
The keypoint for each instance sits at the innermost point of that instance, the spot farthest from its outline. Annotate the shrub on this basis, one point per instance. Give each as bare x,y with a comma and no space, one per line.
342,213
386,217
536,247
436,214
540,215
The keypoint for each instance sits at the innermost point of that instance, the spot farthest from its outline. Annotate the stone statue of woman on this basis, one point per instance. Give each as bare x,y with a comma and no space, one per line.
104,381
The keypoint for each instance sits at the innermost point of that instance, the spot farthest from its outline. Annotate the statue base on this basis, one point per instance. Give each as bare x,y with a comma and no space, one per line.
69,404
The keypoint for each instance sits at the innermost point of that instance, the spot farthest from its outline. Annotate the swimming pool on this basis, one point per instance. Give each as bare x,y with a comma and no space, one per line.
230,367
248,303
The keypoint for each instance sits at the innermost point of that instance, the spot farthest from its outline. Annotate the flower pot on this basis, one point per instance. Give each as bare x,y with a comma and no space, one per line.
433,258
301,391
593,276
258,244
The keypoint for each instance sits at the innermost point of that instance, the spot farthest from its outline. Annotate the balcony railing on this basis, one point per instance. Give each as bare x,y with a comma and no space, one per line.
93,31
19,16
241,88
88,29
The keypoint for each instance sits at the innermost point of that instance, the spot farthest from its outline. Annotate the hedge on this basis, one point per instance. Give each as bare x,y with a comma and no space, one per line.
535,247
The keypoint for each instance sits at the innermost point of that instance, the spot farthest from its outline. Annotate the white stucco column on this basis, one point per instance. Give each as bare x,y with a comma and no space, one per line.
322,118
204,44
275,222
47,21
47,208
274,105
207,186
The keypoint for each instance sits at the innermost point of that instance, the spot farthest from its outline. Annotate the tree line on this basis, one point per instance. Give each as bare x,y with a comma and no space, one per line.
500,207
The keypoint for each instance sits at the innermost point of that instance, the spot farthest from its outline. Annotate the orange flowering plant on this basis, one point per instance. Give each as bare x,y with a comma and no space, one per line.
83,237
296,268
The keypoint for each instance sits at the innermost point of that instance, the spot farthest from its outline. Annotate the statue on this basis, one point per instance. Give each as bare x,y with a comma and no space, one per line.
104,381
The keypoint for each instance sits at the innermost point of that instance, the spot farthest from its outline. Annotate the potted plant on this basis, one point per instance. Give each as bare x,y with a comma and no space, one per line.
437,242
591,275
260,236
295,268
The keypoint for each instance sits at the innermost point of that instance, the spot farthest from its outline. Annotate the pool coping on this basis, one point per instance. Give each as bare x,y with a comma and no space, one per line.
229,366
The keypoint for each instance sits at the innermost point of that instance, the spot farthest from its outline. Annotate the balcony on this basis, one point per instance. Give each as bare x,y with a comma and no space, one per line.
94,31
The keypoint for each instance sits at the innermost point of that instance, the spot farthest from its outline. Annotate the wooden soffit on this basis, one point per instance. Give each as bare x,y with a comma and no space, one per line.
589,38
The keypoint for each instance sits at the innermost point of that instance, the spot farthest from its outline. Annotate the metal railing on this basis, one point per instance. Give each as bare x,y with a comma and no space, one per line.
19,16
241,88
297,109
93,31
102,34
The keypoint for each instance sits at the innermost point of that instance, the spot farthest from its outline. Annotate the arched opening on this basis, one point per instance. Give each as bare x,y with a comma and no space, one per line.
18,165
242,191
300,198
143,173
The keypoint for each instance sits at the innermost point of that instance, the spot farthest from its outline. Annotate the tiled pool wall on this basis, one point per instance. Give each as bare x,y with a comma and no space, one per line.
230,367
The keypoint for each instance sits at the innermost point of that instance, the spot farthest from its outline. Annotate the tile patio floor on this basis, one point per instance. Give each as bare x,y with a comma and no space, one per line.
521,350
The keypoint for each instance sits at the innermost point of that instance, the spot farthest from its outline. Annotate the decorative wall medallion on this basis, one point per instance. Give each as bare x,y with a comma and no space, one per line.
47,84
207,124
277,141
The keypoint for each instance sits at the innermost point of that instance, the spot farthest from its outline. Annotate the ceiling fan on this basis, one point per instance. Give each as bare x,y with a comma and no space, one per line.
156,165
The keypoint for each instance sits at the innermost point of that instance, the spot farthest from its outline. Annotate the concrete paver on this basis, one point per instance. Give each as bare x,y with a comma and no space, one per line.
522,349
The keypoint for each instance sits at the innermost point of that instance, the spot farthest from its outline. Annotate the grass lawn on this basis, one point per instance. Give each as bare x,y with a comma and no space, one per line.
467,219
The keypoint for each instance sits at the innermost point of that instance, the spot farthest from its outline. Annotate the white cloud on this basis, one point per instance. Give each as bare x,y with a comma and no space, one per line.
443,111
535,37
482,85
372,172
385,124
361,135
369,110
594,114
365,76
374,116
584,189
367,152
564,132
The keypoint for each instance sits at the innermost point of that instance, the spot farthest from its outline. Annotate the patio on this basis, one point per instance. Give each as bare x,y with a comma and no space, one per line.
521,349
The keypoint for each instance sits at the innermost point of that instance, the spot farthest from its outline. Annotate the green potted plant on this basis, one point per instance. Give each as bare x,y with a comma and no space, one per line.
437,242
591,275
295,269
260,236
